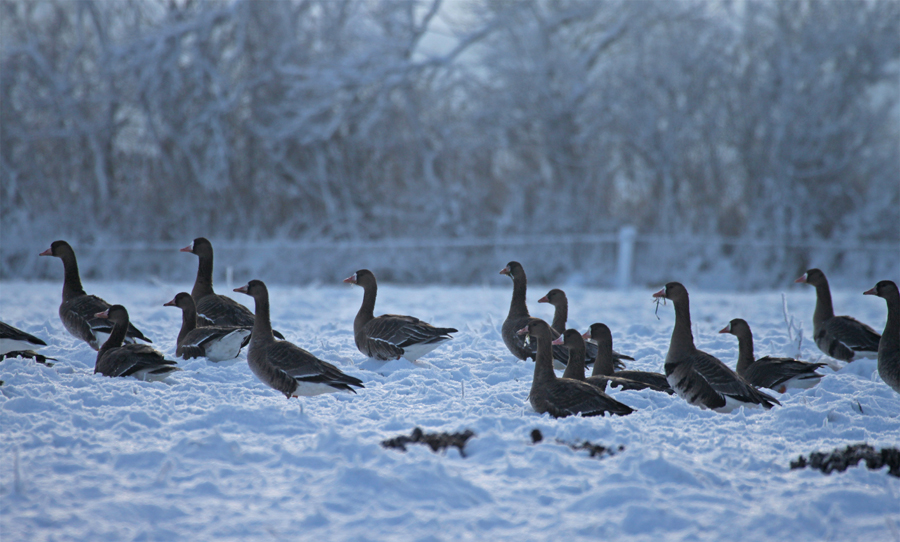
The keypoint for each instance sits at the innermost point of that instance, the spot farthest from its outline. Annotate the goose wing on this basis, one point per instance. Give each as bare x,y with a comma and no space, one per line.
712,381
303,366
842,336
566,397
769,372
138,360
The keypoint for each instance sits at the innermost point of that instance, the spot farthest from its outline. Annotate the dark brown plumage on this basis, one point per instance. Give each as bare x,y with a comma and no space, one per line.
889,346
284,366
841,337
562,397
697,377
215,343
604,366
518,316
214,309
574,344
777,374
138,360
391,336
78,308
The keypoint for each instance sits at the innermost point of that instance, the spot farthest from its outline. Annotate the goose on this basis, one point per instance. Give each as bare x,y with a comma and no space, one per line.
518,316
138,360
214,309
561,397
841,337
697,377
777,374
16,343
215,343
574,343
284,366
604,367
560,302
391,336
78,309
889,346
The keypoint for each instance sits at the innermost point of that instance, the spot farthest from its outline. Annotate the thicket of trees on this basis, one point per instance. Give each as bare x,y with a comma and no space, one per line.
152,120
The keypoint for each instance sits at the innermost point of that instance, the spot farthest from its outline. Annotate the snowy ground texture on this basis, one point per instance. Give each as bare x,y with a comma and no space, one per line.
214,454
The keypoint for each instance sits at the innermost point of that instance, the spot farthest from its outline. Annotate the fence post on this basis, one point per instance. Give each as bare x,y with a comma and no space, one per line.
627,235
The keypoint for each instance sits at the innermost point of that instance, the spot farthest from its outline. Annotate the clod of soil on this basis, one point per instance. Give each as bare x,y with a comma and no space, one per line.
839,460
435,441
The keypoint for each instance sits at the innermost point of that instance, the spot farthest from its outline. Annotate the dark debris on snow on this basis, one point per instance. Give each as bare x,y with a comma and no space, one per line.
596,450
435,441
839,460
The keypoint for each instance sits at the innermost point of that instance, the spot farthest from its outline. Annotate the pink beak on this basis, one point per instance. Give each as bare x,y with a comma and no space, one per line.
48,252
522,331
661,293
242,289
586,335
505,270
104,314
726,329
189,248
802,278
351,279
870,291
169,303
543,300
558,340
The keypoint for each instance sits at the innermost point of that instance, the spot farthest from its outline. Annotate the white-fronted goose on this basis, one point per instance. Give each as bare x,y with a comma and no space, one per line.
841,337
518,316
777,374
605,367
214,309
562,397
215,343
697,377
138,360
78,309
391,336
889,346
560,302
284,366
15,340
15,343
574,343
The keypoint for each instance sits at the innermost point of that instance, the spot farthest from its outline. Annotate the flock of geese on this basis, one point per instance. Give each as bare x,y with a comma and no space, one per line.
217,328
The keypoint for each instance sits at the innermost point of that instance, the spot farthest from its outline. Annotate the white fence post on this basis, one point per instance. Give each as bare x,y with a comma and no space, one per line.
627,235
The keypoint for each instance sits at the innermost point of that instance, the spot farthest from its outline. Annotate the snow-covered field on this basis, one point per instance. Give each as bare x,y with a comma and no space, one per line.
213,454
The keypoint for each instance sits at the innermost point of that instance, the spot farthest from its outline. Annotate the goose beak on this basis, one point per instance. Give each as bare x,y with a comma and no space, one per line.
48,252
586,335
189,248
870,291
801,278
351,279
543,300
726,329
104,314
661,293
522,331
505,270
242,289
558,340
169,303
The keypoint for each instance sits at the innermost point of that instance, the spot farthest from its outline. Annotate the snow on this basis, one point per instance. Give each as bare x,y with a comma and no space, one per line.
212,453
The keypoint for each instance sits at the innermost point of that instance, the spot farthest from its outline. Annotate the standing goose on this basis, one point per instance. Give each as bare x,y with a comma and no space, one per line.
572,341
78,309
214,309
889,347
138,360
215,343
560,302
561,397
604,366
777,374
16,343
284,366
518,316
697,377
391,336
841,337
